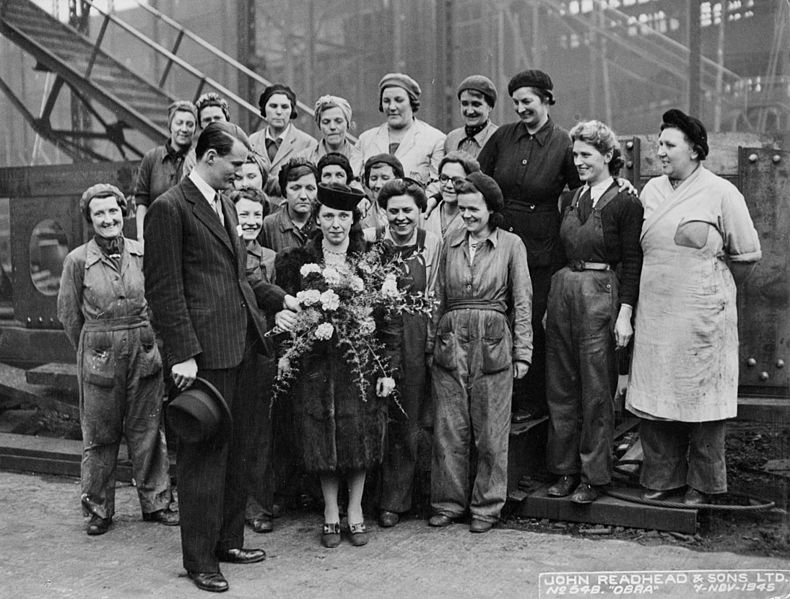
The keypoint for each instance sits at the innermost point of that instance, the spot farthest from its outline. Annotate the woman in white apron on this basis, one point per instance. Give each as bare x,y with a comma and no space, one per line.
696,235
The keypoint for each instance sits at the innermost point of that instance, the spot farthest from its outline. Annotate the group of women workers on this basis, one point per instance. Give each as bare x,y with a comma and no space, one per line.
502,248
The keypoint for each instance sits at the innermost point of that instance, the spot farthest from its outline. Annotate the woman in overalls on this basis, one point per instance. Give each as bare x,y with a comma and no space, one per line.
105,316
403,200
483,341
590,306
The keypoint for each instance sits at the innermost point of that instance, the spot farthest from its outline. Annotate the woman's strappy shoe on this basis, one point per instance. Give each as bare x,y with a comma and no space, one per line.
330,535
359,534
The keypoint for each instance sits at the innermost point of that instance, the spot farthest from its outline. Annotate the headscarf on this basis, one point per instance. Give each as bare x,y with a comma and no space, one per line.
326,102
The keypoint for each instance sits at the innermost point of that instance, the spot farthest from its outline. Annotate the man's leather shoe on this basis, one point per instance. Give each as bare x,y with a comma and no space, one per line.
478,525
585,493
652,495
564,485
166,516
694,497
209,581
98,526
440,521
388,519
241,556
262,524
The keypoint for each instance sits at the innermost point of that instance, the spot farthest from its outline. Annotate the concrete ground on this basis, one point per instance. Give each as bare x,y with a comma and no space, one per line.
44,552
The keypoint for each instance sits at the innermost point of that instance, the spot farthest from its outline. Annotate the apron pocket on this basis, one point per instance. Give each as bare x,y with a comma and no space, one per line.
444,354
496,354
692,234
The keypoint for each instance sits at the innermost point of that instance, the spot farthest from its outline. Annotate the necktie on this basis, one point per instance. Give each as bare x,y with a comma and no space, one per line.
218,209
585,206
272,145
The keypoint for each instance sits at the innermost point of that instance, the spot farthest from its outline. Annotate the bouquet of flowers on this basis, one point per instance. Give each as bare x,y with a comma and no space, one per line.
342,305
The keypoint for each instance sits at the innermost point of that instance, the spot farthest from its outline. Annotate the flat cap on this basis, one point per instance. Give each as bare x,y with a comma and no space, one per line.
481,84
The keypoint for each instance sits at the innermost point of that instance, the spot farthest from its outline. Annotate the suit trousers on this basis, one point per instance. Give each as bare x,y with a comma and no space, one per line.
212,478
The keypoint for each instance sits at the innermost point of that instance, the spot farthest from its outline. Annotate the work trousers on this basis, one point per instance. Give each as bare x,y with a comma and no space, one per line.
212,477
581,373
472,381
121,388
530,392
683,453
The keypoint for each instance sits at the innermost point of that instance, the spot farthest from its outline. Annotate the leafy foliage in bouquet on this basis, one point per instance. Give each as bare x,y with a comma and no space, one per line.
342,305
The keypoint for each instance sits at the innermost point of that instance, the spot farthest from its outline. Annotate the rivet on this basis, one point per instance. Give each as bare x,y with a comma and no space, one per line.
780,363
40,319
751,362
764,376
629,145
29,319
776,158
630,164
752,157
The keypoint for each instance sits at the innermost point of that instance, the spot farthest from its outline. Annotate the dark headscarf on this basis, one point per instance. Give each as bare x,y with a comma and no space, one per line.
692,127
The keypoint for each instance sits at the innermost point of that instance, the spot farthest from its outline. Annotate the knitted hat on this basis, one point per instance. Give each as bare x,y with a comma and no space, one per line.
691,127
277,88
397,167
489,188
532,78
480,84
338,159
101,190
403,81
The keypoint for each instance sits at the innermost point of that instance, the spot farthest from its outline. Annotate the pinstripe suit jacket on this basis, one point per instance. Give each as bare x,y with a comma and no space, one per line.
196,282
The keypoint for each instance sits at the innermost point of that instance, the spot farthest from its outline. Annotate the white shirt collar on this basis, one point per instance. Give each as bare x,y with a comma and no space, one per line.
412,239
596,191
268,133
205,189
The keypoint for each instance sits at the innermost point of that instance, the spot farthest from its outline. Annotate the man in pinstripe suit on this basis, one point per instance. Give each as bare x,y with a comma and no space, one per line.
203,308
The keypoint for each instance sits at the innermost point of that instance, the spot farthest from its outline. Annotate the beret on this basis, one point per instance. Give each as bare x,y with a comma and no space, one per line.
277,88
295,163
480,84
326,102
404,81
691,126
397,167
532,78
101,190
339,197
180,106
489,188
338,159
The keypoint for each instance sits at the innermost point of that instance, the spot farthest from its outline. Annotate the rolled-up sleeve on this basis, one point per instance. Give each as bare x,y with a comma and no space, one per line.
740,237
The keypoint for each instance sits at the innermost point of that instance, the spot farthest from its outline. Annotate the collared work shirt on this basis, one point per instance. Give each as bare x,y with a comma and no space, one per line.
160,169
530,169
497,278
457,140
279,231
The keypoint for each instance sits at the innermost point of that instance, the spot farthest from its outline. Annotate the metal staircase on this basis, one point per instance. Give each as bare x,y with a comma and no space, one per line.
93,75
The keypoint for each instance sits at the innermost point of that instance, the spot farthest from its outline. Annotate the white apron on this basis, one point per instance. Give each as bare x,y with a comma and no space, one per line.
685,364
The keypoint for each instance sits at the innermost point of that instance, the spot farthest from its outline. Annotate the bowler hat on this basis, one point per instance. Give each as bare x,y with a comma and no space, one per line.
200,413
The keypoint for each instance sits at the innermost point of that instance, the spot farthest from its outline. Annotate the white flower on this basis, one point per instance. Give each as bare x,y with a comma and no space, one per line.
309,269
309,297
367,326
330,300
385,386
331,276
283,366
389,288
365,267
324,331
356,283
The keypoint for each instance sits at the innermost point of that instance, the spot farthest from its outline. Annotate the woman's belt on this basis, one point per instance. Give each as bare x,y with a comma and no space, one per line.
115,324
524,207
580,265
474,304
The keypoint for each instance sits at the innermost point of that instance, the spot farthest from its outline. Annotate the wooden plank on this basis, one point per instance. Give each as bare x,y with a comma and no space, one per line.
54,374
764,409
15,389
609,511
